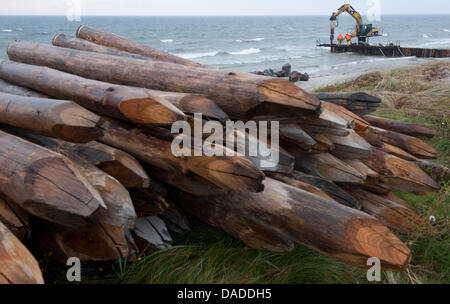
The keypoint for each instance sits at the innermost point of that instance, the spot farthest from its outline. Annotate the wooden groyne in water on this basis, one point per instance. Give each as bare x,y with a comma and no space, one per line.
388,51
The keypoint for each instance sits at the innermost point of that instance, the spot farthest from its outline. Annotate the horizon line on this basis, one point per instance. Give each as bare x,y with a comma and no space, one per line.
278,15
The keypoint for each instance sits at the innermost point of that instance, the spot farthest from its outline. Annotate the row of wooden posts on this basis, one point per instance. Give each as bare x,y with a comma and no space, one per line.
86,168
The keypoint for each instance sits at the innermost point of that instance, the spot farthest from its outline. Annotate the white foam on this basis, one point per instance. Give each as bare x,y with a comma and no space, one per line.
6,30
425,36
249,40
385,35
197,55
166,40
246,52
446,30
437,42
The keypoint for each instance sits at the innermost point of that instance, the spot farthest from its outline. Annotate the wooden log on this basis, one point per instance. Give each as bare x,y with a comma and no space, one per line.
301,185
357,96
325,130
238,225
117,163
151,234
410,144
327,166
330,188
396,151
119,206
15,218
56,118
8,88
437,171
324,144
95,242
240,95
362,168
132,104
390,213
361,126
399,173
175,219
293,134
147,203
350,146
343,233
71,42
112,40
400,126
328,118
229,173
51,187
17,264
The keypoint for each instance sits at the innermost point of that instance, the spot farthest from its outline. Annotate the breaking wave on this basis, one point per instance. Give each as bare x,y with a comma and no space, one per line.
246,52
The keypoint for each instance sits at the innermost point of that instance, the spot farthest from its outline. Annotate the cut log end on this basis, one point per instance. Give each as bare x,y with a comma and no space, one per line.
127,172
372,239
149,111
198,104
66,196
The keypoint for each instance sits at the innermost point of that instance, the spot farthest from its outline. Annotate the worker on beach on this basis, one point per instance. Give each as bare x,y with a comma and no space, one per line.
340,38
349,39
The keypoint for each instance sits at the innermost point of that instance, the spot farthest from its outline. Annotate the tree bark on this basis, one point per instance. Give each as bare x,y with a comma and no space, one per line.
400,126
51,187
8,88
112,40
345,234
240,95
17,264
56,118
399,173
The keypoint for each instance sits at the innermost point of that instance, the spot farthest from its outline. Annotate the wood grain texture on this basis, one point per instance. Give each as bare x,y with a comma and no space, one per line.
51,186
57,118
15,218
400,126
8,88
17,264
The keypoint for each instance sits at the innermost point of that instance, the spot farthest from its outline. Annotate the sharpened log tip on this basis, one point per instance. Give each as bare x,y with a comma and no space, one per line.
372,239
149,111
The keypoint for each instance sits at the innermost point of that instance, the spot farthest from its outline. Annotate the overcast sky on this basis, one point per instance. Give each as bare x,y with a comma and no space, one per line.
217,7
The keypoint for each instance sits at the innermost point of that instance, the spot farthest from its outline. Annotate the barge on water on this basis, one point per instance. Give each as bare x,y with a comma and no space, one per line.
387,51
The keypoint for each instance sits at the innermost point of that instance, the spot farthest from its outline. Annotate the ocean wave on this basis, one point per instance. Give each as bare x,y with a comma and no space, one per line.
437,42
197,55
246,52
249,40
446,30
385,34
166,40
6,30
427,35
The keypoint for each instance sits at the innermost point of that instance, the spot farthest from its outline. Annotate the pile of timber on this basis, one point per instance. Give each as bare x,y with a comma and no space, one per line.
87,170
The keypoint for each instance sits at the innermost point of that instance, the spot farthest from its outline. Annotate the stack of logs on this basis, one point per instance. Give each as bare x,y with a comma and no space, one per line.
86,168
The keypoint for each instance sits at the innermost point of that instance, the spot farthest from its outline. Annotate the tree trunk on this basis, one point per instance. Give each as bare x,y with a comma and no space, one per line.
240,95
137,105
15,218
56,118
350,146
345,234
17,265
390,213
232,221
410,144
437,171
361,126
95,242
51,187
8,88
112,40
117,163
328,187
294,135
356,96
400,126
327,166
399,173
228,173
119,207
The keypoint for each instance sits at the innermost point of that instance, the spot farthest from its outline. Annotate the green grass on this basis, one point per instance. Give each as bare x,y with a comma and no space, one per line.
207,255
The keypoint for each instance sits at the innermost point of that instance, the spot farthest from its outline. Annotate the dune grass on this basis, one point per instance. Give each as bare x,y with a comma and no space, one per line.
206,255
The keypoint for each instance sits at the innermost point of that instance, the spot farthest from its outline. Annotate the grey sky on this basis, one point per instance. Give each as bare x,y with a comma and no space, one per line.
217,7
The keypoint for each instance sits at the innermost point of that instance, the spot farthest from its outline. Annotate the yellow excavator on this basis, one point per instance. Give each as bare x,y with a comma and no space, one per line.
362,31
